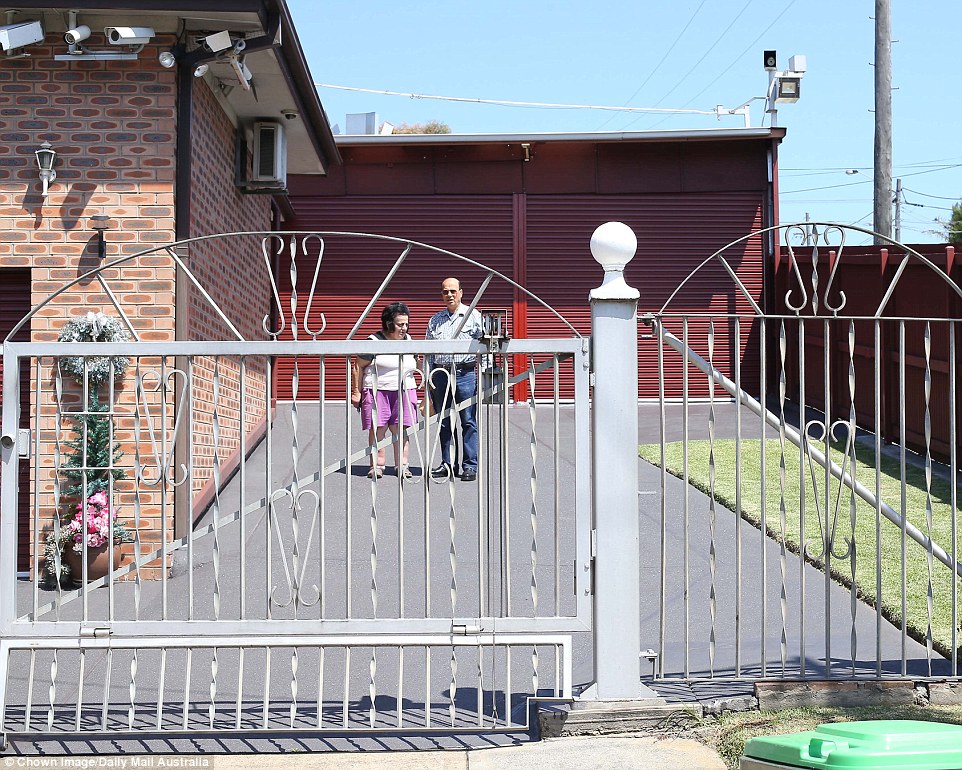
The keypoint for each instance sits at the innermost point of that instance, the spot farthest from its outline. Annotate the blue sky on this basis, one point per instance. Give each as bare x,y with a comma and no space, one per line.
691,54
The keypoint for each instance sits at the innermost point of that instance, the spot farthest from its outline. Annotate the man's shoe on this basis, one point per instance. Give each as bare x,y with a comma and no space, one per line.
443,471
469,476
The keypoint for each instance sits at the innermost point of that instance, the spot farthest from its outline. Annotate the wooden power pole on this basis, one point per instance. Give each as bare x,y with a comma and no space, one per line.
883,118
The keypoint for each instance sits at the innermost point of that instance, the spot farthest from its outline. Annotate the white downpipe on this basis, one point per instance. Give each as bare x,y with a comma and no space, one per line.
814,454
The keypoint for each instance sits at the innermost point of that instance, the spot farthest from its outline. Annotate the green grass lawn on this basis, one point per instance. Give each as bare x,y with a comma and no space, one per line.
783,520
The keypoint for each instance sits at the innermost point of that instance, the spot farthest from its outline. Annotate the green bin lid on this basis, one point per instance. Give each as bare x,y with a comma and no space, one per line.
882,744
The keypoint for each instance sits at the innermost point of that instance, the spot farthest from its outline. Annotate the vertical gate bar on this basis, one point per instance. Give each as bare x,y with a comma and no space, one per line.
215,473
35,536
345,694
738,498
111,403
483,473
85,490
294,666
763,470
269,491
28,706
782,507
399,464
582,421
953,474
427,685
161,685
104,710
827,528
903,509
535,674
686,513
212,689
139,398
266,699
162,486
803,412
505,517
426,479
400,687
663,509
712,552
81,667
507,685
877,364
372,687
853,462
295,484
453,686
242,477
132,690
556,365
239,701
533,514
185,706
6,537
190,515
929,595
320,680
480,689
9,487
348,539
322,483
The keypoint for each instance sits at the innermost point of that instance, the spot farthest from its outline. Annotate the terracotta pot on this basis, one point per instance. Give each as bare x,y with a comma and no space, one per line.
98,561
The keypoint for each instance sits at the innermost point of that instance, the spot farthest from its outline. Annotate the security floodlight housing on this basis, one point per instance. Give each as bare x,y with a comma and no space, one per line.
788,90
20,34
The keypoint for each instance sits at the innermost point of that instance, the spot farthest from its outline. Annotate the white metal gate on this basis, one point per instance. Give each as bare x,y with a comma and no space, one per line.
306,596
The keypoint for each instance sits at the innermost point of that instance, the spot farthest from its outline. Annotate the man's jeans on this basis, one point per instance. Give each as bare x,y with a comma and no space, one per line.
466,387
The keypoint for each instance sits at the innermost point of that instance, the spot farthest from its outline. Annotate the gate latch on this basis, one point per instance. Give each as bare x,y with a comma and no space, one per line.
96,633
465,629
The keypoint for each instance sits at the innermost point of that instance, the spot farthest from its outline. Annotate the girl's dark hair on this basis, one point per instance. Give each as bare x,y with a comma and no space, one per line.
390,313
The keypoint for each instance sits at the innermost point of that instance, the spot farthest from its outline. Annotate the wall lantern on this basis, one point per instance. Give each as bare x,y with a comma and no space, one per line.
98,223
46,156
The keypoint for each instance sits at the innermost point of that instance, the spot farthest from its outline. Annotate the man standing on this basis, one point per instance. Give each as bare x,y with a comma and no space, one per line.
455,375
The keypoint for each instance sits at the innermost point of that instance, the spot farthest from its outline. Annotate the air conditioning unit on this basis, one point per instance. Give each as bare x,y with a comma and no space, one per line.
270,155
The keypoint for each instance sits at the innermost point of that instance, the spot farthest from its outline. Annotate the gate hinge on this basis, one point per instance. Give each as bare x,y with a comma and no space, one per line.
96,633
465,629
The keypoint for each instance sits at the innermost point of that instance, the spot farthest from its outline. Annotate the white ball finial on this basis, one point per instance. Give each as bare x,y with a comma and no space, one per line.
613,245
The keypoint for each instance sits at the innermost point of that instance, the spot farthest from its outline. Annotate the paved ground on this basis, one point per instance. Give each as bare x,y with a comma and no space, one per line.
737,634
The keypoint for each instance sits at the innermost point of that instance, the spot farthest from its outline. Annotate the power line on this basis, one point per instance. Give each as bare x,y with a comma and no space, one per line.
738,58
658,65
507,103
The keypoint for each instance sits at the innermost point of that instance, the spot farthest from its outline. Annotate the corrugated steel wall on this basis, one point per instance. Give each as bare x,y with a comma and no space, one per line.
14,305
675,232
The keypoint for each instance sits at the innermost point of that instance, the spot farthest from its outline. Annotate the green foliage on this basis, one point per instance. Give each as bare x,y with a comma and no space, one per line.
953,228
90,455
431,127
91,462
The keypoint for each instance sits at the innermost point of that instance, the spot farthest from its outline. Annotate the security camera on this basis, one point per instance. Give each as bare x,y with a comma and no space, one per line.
77,34
289,114
129,35
20,34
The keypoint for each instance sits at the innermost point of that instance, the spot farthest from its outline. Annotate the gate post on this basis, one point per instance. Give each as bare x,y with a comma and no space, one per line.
614,470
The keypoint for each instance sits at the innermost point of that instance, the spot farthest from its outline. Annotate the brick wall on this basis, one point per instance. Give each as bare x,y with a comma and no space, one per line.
234,273
113,127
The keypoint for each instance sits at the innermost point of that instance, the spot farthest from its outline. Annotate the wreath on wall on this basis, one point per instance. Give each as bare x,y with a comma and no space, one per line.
94,327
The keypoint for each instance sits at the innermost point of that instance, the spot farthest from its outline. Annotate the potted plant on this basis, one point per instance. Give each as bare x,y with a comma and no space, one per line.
91,463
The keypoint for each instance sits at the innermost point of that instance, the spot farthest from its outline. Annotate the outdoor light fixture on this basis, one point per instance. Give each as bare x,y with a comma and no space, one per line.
788,90
201,70
98,223
167,59
46,156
